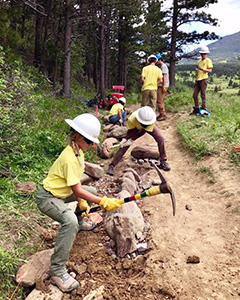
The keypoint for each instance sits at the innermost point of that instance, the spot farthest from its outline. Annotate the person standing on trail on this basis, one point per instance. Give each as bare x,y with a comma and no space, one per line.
151,77
117,113
204,67
162,88
140,122
61,186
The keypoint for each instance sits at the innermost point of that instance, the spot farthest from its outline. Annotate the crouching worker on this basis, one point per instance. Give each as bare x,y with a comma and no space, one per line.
140,122
61,186
118,113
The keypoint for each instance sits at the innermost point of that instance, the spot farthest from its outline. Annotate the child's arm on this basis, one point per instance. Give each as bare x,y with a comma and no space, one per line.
79,192
105,202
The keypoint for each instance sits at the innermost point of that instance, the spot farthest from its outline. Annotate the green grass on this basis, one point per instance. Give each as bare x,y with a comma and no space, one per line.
202,136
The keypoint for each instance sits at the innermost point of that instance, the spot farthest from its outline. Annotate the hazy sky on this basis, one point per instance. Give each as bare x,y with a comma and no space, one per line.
228,14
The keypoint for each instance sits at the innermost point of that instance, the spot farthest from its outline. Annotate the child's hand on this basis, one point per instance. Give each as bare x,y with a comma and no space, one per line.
83,206
109,203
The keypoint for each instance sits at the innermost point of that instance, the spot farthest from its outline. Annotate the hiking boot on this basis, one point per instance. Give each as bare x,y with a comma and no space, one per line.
195,111
65,282
110,170
161,117
164,165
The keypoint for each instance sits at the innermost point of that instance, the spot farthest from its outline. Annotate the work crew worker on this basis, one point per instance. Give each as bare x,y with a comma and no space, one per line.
162,88
204,66
117,113
151,77
140,122
61,186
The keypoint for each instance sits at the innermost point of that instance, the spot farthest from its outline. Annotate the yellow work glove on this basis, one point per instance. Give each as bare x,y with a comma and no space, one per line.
164,89
109,203
83,205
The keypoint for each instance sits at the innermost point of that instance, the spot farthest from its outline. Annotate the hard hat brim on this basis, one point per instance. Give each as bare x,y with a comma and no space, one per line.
79,130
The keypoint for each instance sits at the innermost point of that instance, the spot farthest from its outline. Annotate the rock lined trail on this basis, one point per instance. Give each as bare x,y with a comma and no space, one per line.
205,231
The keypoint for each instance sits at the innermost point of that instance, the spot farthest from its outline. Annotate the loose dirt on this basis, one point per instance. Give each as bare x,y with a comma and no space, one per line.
194,255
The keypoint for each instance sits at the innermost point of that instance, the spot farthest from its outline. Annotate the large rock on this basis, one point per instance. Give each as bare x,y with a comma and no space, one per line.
129,185
52,293
136,175
106,149
94,170
37,268
86,179
144,152
118,132
123,224
108,127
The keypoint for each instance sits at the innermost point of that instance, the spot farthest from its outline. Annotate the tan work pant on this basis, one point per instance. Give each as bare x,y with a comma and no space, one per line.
160,101
58,210
152,96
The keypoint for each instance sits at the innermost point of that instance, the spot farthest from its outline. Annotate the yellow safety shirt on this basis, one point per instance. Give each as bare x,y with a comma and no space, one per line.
133,123
64,173
151,75
205,64
115,108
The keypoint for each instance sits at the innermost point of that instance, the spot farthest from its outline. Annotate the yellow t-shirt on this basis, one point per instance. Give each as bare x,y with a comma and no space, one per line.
152,74
133,123
205,64
115,108
65,172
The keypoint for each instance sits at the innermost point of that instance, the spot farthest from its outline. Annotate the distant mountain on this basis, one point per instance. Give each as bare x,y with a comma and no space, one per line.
225,49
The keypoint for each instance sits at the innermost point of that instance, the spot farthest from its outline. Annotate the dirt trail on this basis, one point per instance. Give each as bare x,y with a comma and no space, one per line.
210,230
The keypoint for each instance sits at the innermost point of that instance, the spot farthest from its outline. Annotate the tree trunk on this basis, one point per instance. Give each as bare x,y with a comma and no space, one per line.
172,68
102,56
37,47
67,50
122,54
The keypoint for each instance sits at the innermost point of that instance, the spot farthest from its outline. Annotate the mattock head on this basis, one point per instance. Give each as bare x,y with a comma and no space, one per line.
168,188
153,163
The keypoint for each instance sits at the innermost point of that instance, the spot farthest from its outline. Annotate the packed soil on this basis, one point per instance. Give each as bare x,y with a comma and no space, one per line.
193,255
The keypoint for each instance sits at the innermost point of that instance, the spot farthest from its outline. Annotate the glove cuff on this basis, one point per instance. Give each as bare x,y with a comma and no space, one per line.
102,204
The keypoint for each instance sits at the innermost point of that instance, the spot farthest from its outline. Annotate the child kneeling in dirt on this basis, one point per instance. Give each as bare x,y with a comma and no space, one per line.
61,186
118,113
140,122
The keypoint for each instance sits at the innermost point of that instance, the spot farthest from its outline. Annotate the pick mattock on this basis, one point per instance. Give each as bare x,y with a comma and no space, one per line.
162,188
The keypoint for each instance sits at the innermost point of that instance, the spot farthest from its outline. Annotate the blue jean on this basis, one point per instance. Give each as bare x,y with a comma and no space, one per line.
114,119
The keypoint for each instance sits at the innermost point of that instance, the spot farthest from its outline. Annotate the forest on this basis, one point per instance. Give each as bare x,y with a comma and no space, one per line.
98,43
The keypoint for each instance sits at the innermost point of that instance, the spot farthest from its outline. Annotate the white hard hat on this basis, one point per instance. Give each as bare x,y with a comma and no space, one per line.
152,56
87,125
122,99
204,49
146,115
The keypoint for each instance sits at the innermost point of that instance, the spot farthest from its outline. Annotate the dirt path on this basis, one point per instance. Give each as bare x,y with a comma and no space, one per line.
210,230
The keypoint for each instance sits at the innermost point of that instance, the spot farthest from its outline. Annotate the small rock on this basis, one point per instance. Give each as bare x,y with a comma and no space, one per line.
142,247
156,182
139,235
193,259
188,207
